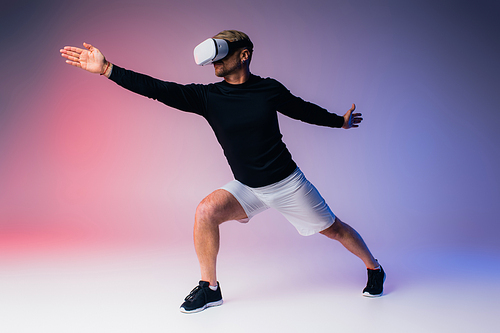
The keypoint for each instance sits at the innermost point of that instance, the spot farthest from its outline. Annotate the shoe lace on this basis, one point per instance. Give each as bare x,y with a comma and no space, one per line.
193,293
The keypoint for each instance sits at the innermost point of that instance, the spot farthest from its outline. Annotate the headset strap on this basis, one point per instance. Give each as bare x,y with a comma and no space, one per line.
239,44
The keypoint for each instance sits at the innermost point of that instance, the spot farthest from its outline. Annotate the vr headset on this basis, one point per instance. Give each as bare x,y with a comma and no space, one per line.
212,50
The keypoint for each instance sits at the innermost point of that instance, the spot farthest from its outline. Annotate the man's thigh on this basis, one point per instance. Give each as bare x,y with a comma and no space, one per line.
301,204
246,196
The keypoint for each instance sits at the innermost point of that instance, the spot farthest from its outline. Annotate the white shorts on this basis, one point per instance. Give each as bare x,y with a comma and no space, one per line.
294,197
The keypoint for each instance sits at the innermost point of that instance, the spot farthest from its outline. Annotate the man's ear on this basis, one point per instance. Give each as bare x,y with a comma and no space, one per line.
244,55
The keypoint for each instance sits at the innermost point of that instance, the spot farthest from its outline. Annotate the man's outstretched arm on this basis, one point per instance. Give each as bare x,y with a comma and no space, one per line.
314,114
89,59
188,98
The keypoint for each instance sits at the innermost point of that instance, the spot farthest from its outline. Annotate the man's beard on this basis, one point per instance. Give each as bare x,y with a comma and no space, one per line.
226,69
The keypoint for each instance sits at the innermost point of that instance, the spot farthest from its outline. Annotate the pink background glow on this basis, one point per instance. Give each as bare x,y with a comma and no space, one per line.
86,164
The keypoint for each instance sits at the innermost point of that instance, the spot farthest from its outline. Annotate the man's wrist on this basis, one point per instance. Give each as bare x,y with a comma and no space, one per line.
345,124
108,67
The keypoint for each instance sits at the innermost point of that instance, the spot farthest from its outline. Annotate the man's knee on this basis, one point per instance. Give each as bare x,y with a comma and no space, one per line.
206,212
218,207
213,208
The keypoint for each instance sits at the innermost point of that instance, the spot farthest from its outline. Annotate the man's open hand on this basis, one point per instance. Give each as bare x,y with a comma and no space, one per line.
352,119
90,58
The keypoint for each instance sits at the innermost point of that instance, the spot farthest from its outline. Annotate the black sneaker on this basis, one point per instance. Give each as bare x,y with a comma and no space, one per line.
201,297
375,285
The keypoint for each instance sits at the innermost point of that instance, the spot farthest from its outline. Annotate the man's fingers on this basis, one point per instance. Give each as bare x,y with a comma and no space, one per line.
73,49
71,53
352,119
71,58
88,46
76,59
76,64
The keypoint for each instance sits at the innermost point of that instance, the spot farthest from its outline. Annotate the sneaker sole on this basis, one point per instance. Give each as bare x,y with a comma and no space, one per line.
206,306
371,295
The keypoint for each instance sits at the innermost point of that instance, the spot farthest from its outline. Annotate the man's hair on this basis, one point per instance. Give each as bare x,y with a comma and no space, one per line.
234,36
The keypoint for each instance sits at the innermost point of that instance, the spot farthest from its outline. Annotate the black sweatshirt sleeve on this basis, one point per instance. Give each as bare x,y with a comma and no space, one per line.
296,108
189,98
310,113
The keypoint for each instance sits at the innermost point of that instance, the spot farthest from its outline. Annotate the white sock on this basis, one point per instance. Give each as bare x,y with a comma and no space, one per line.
213,288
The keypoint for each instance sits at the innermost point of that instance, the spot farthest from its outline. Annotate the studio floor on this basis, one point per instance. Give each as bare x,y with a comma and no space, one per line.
140,291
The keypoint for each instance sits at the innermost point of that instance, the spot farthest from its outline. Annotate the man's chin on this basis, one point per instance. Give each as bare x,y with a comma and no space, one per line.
219,73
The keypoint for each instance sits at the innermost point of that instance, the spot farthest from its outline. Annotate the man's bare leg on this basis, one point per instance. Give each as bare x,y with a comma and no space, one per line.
218,207
352,241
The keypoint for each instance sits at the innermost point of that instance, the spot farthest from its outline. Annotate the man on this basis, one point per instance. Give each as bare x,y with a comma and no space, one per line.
242,111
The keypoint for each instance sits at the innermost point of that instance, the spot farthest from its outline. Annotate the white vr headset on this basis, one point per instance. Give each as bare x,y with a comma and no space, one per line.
212,50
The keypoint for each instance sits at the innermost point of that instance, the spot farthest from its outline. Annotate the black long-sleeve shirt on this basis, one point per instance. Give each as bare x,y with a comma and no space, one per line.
243,117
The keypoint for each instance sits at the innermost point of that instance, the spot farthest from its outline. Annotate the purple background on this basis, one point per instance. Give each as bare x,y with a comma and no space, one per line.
86,164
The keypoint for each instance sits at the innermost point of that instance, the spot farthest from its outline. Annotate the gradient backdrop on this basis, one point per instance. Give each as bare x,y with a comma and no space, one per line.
86,165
